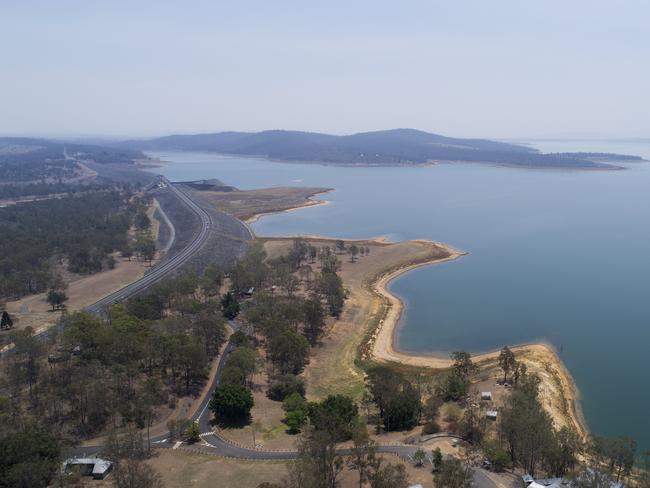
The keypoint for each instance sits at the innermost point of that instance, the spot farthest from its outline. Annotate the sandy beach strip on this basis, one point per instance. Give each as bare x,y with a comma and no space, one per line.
309,203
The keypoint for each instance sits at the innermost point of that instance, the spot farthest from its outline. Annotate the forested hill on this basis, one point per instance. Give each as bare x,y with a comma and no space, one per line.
391,147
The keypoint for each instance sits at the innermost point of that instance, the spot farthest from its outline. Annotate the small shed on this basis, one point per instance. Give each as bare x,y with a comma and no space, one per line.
491,414
96,467
486,395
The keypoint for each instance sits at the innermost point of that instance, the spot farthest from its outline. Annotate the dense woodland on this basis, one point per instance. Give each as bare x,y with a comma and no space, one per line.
75,232
10,190
41,160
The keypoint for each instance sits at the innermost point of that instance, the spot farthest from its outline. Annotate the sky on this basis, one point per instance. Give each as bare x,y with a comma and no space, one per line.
466,68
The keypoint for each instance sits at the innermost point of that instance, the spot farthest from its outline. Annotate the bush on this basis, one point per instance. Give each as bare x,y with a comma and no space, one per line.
497,454
337,415
430,427
232,375
239,339
294,402
193,433
451,412
294,421
283,386
231,403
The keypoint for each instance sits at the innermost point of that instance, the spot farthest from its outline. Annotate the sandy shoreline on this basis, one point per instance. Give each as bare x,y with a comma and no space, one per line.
309,203
539,357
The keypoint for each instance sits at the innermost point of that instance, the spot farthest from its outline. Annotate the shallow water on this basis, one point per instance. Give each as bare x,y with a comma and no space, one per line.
554,255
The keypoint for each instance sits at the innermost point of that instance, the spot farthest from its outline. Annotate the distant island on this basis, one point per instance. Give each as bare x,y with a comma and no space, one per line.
397,147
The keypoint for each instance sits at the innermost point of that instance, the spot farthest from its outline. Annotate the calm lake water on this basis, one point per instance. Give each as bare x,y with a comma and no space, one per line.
560,256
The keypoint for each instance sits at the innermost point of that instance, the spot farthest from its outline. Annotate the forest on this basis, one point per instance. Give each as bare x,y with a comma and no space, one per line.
75,232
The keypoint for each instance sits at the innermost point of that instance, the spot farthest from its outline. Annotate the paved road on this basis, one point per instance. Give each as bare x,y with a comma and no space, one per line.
161,270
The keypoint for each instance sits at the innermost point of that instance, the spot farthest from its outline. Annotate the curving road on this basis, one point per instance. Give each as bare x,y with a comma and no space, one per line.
215,444
161,270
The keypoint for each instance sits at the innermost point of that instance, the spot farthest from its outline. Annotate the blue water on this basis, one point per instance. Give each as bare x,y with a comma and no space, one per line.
560,256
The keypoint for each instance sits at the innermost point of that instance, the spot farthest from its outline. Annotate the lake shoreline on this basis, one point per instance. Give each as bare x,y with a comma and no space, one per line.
309,203
541,356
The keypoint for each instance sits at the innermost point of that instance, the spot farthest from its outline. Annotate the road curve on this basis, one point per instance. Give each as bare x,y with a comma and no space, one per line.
161,270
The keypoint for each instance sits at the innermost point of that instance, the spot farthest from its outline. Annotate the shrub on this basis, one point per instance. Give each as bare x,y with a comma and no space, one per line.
430,427
231,403
239,339
283,386
232,375
294,402
295,420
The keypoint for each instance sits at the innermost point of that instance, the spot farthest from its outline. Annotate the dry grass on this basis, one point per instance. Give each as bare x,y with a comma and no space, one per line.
252,203
181,468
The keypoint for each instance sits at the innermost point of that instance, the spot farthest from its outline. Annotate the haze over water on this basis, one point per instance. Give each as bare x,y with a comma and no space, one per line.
560,256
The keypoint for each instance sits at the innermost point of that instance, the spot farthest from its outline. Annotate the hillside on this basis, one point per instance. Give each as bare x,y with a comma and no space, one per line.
391,147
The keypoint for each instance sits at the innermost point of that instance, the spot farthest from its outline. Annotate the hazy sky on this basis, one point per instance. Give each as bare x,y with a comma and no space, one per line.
490,68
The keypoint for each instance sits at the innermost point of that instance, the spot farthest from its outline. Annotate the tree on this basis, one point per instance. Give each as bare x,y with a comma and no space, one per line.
463,365
354,250
419,457
230,306
618,454
295,420
331,287
146,247
436,459
507,362
455,383
243,358
142,220
525,426
6,322
398,401
193,432
453,473
387,475
288,352
282,386
318,465
362,453
28,458
472,426
562,453
496,454
592,477
337,415
403,410
314,320
296,409
56,298
313,252
231,403
128,455
294,402
340,246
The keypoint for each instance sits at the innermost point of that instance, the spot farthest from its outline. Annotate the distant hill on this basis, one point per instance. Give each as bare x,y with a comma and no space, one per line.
381,148
28,159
